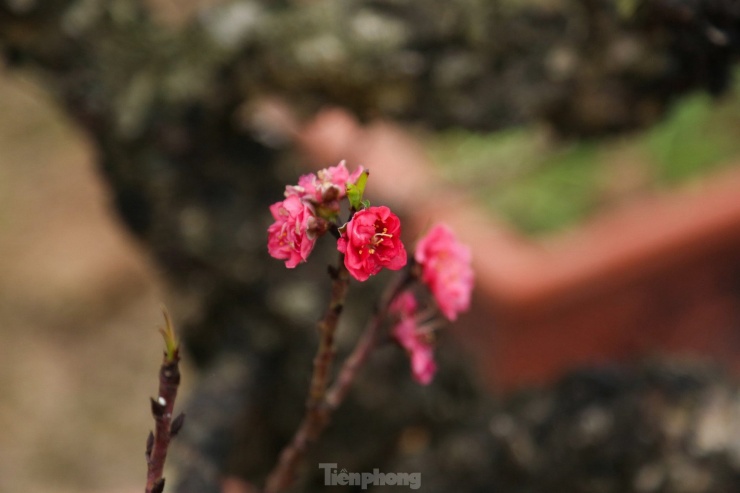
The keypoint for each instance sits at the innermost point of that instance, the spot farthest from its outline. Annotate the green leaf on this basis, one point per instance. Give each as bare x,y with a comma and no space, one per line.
356,190
170,341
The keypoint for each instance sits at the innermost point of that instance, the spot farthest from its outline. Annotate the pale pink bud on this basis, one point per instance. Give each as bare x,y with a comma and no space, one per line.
326,186
417,344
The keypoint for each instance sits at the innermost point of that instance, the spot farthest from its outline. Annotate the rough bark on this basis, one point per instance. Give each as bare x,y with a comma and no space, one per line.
191,173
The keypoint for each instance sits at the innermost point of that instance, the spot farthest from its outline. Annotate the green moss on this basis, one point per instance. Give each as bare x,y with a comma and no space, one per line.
699,136
541,187
465,158
535,186
560,192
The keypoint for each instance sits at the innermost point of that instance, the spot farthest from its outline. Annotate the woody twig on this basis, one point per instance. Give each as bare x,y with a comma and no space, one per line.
314,421
162,409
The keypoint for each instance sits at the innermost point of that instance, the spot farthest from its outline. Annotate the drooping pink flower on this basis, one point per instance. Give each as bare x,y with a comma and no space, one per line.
417,344
326,186
293,234
308,188
338,177
370,241
446,270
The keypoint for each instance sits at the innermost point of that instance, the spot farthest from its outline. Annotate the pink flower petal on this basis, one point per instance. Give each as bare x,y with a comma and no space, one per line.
290,237
417,345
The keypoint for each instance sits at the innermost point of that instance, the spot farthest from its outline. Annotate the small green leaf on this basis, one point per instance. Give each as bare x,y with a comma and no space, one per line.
356,190
170,341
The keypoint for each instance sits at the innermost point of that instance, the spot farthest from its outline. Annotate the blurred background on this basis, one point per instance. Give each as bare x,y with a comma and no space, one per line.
593,245
79,306
79,309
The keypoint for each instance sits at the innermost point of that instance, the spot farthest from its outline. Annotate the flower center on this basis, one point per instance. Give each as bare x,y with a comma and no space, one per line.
377,239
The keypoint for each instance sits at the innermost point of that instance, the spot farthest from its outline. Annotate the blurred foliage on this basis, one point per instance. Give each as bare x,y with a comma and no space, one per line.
541,186
699,136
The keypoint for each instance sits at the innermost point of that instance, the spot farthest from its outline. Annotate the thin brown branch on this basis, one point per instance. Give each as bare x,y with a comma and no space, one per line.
323,402
162,409
327,327
337,392
314,421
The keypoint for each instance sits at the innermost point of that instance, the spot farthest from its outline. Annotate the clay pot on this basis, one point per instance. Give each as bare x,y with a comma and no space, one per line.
660,275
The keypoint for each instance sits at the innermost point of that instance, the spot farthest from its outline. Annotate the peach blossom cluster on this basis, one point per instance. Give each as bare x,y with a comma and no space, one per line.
369,242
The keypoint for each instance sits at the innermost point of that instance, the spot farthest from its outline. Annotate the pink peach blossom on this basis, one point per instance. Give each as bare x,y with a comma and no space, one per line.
338,177
446,270
293,234
418,345
308,189
326,186
370,241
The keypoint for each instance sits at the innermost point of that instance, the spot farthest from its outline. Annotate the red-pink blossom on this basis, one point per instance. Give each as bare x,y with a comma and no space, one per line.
370,241
417,344
446,270
293,234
